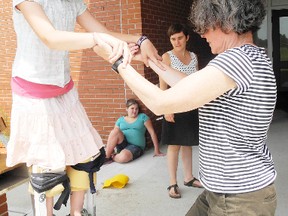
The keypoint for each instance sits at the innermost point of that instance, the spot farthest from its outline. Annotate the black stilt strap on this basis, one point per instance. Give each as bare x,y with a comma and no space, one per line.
42,182
92,167
64,196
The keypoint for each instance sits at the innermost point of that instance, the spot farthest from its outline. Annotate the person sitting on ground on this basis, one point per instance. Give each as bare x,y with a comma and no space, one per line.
128,135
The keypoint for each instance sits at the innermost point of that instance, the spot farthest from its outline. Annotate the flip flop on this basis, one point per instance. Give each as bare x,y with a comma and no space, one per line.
192,183
176,194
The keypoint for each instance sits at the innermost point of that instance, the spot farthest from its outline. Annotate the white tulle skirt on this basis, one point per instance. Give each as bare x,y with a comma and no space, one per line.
51,133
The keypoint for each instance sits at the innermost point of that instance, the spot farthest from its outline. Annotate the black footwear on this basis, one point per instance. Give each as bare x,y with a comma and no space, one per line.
176,194
192,183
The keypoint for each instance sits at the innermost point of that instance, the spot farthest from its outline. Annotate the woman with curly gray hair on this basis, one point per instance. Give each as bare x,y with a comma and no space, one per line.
236,95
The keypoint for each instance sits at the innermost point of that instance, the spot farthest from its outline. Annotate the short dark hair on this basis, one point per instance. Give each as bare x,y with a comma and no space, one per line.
240,16
177,28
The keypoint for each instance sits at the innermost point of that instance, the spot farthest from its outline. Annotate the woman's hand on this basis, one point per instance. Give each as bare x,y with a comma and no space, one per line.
158,153
148,51
111,48
169,118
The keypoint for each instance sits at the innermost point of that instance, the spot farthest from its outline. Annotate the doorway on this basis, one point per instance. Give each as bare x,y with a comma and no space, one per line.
280,54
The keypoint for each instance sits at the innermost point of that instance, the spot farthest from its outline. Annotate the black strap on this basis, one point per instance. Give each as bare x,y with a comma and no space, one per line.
42,182
91,167
64,196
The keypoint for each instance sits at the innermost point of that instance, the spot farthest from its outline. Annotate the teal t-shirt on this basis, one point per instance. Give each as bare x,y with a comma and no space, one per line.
134,132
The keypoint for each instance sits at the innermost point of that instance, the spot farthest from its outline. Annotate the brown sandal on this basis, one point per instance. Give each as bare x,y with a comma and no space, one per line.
176,194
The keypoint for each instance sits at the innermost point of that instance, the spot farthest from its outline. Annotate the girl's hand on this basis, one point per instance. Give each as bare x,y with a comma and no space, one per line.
134,48
135,51
104,50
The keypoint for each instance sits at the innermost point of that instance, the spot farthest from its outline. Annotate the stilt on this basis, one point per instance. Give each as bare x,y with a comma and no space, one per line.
39,199
90,201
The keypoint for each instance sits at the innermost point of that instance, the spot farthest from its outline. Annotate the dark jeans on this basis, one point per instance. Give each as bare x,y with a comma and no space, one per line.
136,151
258,203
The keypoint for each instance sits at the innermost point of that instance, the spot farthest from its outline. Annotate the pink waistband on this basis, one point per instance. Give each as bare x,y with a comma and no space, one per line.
35,90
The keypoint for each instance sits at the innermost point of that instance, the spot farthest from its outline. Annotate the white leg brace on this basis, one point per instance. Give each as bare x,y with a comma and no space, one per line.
40,198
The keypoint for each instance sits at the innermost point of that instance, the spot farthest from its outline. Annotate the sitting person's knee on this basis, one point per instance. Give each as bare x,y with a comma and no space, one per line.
123,157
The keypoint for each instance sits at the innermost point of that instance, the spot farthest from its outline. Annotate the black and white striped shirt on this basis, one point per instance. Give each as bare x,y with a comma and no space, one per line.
233,129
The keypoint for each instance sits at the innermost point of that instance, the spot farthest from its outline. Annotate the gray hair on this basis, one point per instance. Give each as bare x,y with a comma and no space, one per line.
240,16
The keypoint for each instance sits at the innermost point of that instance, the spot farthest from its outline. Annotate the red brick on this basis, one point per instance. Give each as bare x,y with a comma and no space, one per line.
3,205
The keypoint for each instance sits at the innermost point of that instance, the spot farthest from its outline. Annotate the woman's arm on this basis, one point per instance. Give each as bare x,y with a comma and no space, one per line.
197,66
170,76
148,124
187,93
166,60
163,85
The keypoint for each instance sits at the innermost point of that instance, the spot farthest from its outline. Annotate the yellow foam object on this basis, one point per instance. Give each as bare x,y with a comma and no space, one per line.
118,181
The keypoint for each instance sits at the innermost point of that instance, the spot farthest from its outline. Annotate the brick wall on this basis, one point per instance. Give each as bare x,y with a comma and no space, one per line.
3,205
7,48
